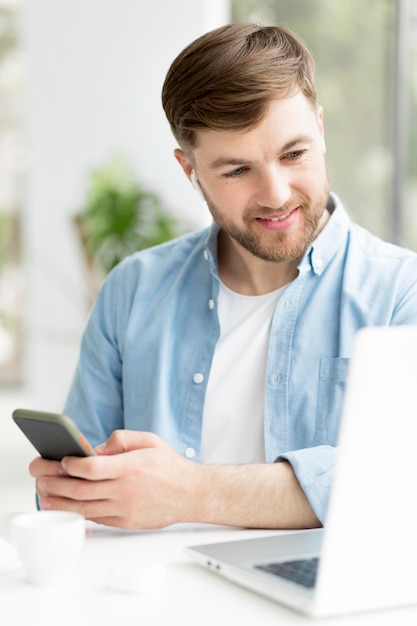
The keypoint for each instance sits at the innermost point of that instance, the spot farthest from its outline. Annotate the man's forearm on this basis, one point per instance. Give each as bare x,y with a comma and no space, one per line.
253,496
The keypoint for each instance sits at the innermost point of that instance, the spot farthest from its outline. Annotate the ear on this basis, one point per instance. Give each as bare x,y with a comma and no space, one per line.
321,126
184,161
320,120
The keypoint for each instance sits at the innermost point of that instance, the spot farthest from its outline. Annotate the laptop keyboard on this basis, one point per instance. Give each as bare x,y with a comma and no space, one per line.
303,571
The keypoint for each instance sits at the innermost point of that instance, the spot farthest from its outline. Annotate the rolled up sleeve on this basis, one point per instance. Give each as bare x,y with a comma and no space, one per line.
314,468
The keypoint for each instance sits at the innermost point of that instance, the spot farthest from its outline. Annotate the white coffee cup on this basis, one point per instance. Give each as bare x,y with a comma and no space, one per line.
49,544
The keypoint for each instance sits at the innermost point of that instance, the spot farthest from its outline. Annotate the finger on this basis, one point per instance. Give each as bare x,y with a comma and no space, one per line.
93,468
126,440
116,522
43,467
73,488
91,510
122,522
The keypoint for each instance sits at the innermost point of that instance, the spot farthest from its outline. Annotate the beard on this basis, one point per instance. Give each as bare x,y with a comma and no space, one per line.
279,246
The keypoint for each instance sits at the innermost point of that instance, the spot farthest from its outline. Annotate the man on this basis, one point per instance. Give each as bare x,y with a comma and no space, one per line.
213,366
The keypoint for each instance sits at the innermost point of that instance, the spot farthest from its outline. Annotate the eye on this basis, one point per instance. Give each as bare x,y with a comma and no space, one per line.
235,173
294,155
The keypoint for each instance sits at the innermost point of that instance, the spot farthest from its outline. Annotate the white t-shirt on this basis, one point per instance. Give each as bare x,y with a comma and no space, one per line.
233,418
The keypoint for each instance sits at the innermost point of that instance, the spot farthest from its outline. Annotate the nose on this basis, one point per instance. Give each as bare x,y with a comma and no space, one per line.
274,188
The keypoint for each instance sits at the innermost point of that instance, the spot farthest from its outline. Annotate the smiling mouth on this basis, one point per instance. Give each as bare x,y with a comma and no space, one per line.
276,218
280,221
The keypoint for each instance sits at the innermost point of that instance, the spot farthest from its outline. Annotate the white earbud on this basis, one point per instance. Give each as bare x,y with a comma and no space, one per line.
324,145
196,185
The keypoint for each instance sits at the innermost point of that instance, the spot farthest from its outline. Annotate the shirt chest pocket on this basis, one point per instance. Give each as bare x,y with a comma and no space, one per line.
332,381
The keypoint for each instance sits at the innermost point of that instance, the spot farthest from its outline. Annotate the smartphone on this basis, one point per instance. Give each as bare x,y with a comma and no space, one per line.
53,435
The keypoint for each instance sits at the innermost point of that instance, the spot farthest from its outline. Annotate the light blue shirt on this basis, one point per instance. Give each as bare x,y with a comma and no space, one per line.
149,342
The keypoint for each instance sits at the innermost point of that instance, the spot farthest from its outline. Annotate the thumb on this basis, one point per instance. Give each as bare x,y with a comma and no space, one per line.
127,440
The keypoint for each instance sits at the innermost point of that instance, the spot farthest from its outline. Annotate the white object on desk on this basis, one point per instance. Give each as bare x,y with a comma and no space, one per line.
9,558
49,544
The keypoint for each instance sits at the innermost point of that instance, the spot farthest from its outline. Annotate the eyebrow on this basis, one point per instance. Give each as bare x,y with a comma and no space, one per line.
229,162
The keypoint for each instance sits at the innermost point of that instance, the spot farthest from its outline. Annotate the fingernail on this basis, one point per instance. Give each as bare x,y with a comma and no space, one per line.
42,487
99,449
45,504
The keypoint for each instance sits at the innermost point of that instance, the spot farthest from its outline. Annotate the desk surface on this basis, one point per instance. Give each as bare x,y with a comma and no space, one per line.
186,594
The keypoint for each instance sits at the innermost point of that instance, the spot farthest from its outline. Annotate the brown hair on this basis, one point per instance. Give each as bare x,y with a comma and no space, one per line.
226,78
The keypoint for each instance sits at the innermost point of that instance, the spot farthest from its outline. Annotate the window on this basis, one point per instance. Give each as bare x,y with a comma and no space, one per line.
409,36
11,152
365,52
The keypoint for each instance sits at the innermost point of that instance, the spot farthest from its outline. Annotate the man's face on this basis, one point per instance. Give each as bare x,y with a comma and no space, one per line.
267,188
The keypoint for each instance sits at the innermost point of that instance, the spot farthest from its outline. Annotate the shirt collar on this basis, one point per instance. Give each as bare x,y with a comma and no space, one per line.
329,241
210,249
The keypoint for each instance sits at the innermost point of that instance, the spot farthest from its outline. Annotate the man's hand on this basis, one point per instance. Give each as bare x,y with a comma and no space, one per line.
139,482
136,481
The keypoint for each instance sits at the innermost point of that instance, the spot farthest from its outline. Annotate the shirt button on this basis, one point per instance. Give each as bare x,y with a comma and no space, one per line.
198,378
189,453
211,304
206,255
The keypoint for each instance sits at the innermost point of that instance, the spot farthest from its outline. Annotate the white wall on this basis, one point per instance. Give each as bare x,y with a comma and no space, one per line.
95,72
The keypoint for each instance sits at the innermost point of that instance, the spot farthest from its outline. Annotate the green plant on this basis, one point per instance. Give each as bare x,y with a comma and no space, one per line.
119,217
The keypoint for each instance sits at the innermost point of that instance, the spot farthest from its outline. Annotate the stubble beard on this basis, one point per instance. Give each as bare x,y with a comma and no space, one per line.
286,246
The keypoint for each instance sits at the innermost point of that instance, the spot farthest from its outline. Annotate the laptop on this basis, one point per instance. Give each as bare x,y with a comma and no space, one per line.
365,557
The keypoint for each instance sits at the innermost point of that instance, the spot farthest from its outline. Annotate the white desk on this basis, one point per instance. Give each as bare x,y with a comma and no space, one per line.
188,594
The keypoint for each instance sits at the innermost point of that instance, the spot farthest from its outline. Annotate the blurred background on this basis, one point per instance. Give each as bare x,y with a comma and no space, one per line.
87,173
